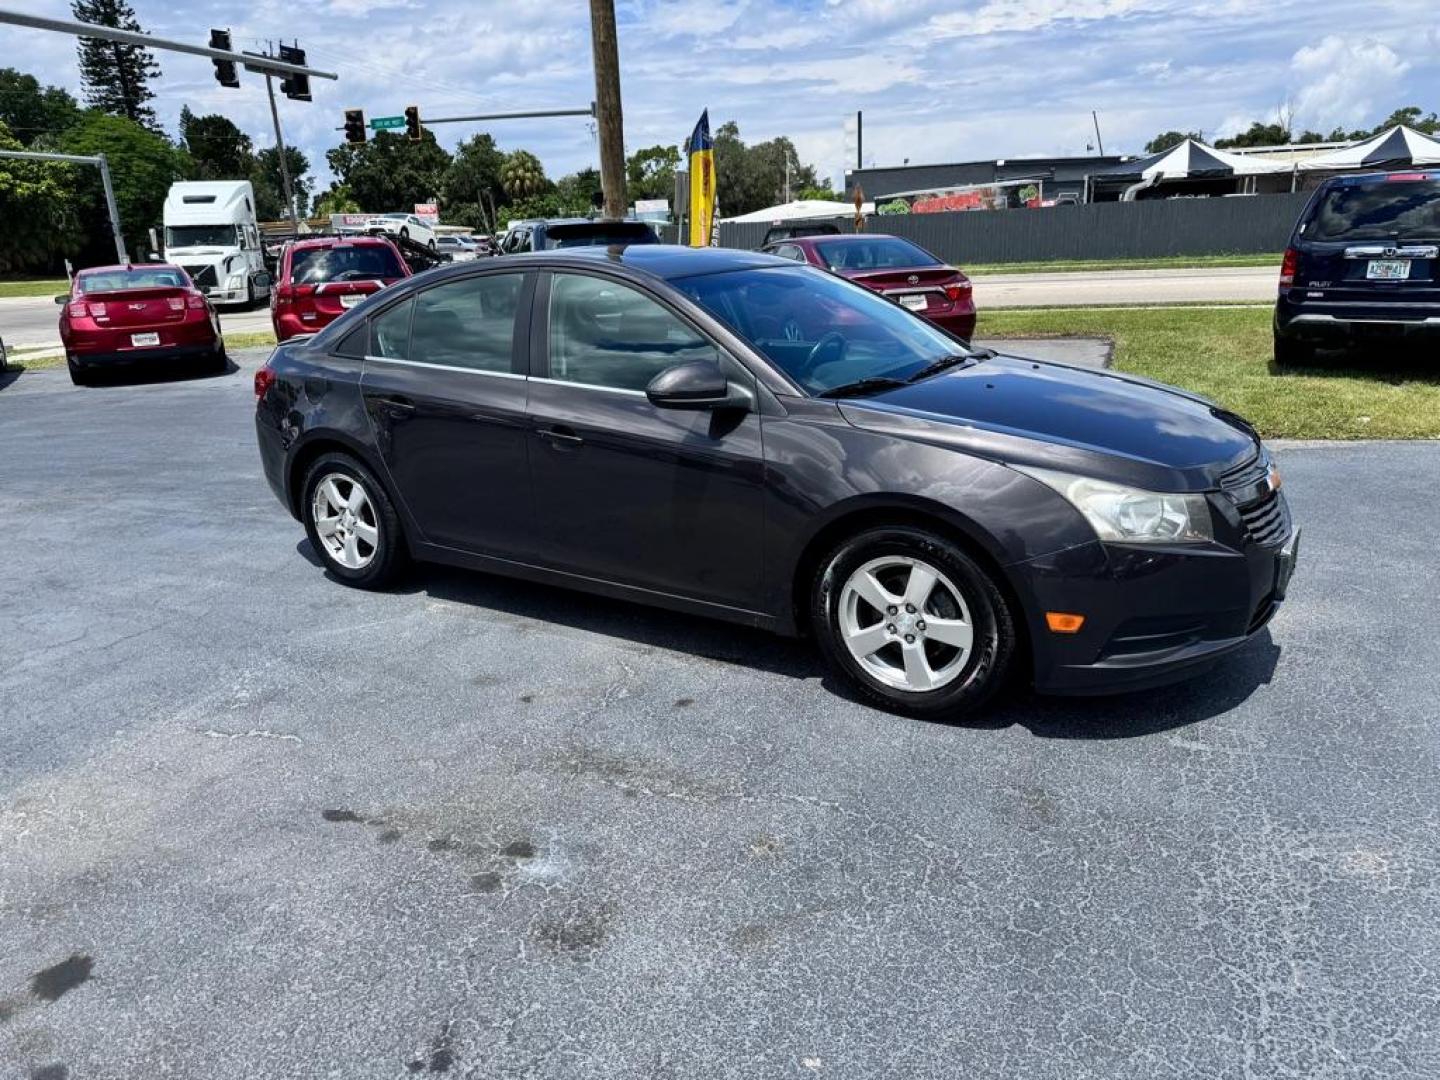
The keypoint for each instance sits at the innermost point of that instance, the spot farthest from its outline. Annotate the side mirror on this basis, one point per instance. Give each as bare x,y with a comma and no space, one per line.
63,299
264,280
698,384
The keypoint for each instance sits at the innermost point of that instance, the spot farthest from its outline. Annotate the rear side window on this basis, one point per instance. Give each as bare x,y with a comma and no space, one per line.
606,334
344,262
469,323
390,332
1388,210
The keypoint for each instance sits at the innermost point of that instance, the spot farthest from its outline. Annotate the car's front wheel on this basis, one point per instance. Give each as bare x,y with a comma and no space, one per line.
351,522
404,233
912,621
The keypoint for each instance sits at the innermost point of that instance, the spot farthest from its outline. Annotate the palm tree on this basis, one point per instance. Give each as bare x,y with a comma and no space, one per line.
522,175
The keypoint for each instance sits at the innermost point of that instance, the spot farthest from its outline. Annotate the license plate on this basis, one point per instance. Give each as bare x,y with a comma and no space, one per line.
914,303
1388,269
351,299
1289,555
141,340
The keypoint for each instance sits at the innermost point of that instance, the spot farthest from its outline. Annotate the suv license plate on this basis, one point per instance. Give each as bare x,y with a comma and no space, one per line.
351,299
1388,269
141,340
914,303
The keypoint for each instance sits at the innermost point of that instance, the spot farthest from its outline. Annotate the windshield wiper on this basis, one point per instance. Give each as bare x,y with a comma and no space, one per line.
945,363
872,385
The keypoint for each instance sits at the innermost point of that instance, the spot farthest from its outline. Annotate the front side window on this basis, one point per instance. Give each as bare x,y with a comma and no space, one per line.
819,329
468,323
390,332
603,333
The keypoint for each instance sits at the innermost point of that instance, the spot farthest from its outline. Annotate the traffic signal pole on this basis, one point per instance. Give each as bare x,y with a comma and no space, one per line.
284,163
104,166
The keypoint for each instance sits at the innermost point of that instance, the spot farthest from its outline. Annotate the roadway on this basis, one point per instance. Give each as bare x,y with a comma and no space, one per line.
32,320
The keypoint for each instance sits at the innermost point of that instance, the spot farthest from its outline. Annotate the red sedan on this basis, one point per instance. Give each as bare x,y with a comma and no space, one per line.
893,267
321,278
121,314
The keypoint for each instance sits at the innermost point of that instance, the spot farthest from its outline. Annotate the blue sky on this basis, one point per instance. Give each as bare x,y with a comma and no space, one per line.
938,81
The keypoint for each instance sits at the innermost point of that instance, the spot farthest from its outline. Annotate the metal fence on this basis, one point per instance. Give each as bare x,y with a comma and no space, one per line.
1153,228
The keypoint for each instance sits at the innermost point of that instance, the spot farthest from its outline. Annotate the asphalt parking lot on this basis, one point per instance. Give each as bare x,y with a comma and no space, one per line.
255,824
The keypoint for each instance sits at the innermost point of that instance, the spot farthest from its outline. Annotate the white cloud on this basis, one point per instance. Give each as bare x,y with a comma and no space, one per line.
1346,81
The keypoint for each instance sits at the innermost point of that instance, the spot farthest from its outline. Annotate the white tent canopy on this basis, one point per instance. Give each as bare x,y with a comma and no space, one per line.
1398,148
801,209
1193,160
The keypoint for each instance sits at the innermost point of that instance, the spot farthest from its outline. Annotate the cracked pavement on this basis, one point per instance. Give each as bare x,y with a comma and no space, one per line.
253,823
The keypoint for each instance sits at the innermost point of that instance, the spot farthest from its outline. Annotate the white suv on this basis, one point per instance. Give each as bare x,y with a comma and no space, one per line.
405,226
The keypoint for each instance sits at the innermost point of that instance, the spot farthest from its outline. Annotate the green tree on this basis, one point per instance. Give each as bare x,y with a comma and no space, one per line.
751,178
38,206
580,190
473,175
650,173
1411,116
270,185
116,77
336,199
143,165
31,111
1257,134
1168,140
219,149
389,172
522,175
824,193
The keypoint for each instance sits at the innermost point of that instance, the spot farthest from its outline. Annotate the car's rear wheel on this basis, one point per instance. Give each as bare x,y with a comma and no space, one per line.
78,375
1292,353
351,522
913,622
219,360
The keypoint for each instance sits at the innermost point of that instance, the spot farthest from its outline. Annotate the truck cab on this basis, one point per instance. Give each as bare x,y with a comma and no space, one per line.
211,231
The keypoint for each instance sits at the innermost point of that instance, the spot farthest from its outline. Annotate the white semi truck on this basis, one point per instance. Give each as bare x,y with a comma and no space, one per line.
211,231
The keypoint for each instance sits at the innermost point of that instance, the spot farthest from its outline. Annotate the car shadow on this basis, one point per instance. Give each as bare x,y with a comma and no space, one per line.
1395,363
1117,716
11,374
157,371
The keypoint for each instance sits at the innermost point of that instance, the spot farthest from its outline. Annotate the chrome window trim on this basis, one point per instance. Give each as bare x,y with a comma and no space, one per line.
588,386
445,367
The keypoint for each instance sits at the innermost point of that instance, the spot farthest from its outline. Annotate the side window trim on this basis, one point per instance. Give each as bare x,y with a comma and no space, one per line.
540,330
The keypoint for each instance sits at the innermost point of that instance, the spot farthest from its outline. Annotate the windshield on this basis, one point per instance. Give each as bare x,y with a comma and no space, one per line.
820,330
587,235
1388,210
147,278
344,262
183,236
879,253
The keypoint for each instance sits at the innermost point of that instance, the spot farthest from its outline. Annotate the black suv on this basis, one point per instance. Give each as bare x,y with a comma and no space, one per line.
1363,265
549,234
794,231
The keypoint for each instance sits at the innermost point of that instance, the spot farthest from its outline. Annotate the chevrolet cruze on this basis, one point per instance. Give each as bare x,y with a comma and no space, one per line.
735,435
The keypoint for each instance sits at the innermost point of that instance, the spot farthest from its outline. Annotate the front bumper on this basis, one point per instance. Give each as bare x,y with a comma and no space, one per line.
1152,616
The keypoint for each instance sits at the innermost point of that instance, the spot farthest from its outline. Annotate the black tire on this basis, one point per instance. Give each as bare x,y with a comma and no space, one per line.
218,362
431,245
983,672
389,552
78,375
404,233
1292,353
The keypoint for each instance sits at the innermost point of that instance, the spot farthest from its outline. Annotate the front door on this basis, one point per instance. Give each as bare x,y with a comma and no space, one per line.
665,499
444,386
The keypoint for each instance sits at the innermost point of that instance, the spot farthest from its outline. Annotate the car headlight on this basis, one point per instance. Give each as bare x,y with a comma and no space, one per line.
1132,515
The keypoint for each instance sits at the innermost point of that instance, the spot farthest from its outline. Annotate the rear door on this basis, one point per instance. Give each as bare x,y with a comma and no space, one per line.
1373,242
445,388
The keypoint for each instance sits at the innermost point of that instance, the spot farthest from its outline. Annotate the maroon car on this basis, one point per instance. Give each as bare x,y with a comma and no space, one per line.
321,278
122,314
893,267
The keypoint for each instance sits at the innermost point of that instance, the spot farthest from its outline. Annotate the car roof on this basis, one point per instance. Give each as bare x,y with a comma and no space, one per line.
829,239
1417,173
659,260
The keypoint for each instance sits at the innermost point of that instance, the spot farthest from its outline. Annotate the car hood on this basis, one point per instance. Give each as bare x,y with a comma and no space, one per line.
1099,423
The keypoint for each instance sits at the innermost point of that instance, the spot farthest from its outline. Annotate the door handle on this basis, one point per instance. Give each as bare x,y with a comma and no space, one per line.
560,437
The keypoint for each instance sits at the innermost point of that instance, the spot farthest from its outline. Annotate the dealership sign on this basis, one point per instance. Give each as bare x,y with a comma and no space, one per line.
428,212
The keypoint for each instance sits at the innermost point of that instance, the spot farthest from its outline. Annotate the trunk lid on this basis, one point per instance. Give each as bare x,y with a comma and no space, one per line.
137,308
904,278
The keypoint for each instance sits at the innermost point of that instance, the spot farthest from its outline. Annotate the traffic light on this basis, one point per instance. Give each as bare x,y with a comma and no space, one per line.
354,125
412,122
296,87
225,73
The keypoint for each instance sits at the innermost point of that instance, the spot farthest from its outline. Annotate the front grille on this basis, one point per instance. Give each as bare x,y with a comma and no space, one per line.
1262,509
202,276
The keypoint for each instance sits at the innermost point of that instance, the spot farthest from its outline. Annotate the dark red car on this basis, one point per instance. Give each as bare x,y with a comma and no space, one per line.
122,314
320,279
893,267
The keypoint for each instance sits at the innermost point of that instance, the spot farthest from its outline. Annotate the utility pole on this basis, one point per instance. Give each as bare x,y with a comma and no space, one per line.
1098,141
611,124
859,139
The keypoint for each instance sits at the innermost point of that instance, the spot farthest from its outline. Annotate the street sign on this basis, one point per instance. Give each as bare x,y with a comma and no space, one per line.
386,123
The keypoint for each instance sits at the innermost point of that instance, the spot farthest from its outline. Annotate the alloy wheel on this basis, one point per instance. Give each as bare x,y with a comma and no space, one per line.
905,623
345,521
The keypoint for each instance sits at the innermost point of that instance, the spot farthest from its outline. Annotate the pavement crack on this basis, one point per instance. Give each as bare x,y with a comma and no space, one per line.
253,733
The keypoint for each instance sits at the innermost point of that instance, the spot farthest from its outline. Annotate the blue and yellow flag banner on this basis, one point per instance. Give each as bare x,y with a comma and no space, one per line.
700,152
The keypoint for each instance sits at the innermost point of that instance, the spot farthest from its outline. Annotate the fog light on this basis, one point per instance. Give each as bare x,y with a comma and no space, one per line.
1064,622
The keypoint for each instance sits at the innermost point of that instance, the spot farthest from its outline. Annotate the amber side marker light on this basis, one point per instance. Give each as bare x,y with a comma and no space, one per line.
1062,622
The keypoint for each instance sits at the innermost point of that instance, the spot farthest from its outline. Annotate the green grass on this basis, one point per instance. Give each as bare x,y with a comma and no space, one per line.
1177,262
252,340
1225,354
39,287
